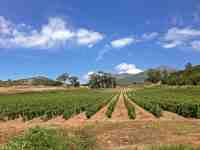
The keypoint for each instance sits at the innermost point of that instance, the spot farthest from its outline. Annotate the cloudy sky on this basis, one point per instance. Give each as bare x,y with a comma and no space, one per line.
82,36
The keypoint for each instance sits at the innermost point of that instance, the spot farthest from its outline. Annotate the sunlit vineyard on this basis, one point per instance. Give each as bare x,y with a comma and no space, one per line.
53,103
183,101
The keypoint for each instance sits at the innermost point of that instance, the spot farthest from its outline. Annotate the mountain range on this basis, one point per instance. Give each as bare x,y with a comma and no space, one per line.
128,79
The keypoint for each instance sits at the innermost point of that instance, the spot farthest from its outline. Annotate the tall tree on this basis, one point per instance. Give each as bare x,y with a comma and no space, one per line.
188,67
63,77
154,75
74,81
102,80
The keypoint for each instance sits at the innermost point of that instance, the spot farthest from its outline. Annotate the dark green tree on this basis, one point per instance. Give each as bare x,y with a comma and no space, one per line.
154,76
102,80
74,81
63,78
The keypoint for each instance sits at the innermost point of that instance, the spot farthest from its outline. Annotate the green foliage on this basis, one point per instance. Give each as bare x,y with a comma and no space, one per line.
51,103
74,81
154,75
128,79
90,111
111,106
63,77
189,76
130,108
102,80
51,139
183,101
150,106
32,81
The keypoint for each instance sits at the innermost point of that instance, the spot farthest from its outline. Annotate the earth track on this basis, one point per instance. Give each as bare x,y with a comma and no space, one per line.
166,115
120,112
100,115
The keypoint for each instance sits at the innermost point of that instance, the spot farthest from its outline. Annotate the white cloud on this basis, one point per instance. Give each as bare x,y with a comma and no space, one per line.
150,36
181,34
127,68
119,43
5,26
179,37
86,37
55,33
172,44
196,45
102,52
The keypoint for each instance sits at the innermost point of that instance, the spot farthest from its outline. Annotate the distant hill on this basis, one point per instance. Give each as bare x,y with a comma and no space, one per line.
127,79
188,76
38,80
165,68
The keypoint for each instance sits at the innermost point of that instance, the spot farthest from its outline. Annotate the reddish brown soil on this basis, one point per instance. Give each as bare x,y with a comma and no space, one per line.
120,112
76,121
122,135
100,115
166,115
22,89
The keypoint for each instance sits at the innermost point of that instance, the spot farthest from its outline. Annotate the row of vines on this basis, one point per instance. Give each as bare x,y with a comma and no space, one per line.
183,101
50,104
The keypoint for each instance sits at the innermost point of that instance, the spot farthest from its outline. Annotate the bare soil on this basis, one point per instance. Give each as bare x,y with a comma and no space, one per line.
22,89
100,115
166,115
130,134
120,112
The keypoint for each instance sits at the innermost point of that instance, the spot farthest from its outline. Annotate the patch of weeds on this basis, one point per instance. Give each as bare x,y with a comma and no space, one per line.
171,147
51,139
154,125
186,129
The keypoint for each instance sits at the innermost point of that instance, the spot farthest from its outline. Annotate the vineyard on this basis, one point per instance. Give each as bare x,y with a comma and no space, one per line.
67,103
53,103
183,101
115,117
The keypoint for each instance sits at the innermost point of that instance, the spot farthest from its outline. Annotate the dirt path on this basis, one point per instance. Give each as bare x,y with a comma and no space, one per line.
100,115
76,121
120,113
166,115
126,135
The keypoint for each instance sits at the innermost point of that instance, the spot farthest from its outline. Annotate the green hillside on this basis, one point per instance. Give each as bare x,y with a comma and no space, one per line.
127,79
189,76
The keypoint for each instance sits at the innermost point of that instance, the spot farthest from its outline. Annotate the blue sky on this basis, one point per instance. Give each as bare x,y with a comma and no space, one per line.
124,36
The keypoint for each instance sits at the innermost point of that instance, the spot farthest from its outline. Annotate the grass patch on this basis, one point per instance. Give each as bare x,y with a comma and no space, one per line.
51,139
171,147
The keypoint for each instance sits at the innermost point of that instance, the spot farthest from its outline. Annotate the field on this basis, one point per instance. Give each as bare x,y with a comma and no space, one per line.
120,119
52,103
183,101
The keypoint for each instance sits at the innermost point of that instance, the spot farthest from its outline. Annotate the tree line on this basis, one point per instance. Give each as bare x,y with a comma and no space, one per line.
189,76
102,80
96,80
